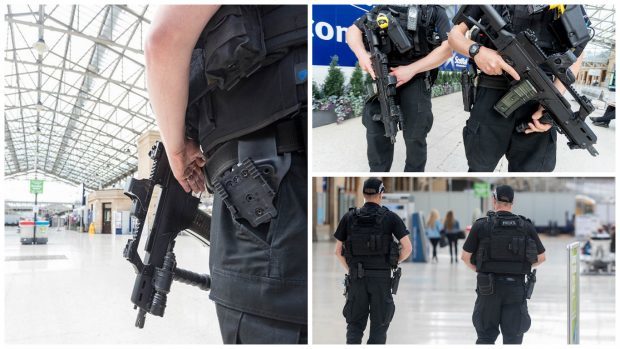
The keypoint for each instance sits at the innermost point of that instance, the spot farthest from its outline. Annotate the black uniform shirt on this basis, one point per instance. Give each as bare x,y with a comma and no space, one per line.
472,241
391,222
440,21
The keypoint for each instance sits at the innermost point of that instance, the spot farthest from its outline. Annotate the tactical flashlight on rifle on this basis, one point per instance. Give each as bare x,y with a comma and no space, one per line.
176,211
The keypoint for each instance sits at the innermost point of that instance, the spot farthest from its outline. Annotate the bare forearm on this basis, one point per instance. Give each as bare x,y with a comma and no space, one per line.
457,40
434,59
343,262
575,69
168,51
355,41
466,258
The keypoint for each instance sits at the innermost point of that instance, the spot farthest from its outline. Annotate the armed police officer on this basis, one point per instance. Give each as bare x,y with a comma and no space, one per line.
526,136
367,250
502,248
412,42
242,122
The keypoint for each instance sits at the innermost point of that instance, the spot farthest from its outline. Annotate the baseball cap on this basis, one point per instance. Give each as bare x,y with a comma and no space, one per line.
373,185
504,193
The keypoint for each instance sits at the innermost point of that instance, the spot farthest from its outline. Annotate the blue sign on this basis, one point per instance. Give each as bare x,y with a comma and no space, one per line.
455,63
329,28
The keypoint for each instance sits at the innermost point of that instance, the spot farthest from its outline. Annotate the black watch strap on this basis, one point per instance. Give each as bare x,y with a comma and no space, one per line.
474,49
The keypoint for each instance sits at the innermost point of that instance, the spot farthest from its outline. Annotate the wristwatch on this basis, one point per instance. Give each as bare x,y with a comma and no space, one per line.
474,49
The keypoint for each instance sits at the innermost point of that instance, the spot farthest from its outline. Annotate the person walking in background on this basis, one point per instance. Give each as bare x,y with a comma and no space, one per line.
433,229
452,229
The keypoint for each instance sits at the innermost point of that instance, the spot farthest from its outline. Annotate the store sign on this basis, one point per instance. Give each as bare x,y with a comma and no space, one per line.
36,186
482,190
329,31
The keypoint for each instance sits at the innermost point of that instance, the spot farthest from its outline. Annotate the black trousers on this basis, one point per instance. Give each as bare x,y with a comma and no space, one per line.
453,240
415,104
259,275
244,328
488,136
434,242
506,308
369,297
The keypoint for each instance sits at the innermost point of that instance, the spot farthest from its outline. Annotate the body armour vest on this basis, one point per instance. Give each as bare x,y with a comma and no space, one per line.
367,241
248,70
505,246
541,23
423,37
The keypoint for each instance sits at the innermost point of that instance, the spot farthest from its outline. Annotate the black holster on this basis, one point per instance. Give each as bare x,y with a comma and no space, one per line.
396,280
468,87
485,284
529,286
246,173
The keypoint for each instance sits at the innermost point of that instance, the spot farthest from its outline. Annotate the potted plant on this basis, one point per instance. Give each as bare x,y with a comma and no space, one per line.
325,98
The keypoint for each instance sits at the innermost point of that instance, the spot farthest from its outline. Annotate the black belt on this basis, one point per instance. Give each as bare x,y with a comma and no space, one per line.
378,273
510,278
496,82
289,138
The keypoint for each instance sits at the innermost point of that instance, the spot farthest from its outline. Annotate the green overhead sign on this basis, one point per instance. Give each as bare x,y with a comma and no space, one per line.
36,186
482,190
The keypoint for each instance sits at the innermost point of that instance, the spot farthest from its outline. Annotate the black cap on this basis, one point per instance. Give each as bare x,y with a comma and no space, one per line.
504,193
373,185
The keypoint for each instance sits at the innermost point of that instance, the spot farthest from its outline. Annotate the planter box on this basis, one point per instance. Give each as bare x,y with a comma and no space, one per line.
323,117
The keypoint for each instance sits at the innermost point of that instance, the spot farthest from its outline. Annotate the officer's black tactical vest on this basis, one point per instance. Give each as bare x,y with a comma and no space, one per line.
367,241
505,246
245,54
519,19
424,40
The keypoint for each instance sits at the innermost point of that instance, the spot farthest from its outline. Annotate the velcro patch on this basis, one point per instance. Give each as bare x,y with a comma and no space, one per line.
509,223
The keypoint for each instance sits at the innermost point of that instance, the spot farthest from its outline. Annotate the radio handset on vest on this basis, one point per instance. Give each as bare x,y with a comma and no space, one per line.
412,17
387,22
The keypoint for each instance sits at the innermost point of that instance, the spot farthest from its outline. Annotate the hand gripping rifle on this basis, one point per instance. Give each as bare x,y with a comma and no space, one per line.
523,54
176,211
385,84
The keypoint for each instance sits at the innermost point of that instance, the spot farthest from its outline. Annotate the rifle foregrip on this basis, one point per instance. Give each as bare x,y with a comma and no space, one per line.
202,281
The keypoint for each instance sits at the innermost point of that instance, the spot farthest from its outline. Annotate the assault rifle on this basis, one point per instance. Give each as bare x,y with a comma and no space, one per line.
176,211
522,53
384,86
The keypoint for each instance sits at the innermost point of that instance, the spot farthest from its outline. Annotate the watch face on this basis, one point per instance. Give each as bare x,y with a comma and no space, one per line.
473,50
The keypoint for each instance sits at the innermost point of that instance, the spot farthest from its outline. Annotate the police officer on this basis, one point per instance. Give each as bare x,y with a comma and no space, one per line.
243,113
487,135
502,248
415,71
367,250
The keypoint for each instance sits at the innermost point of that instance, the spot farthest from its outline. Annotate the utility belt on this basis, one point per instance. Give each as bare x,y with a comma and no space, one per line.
358,272
485,282
246,172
